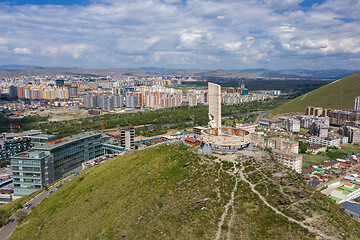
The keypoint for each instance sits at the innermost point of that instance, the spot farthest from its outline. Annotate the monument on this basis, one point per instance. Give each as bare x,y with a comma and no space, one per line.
215,107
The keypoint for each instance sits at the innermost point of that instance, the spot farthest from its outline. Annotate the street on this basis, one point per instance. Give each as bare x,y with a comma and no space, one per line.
9,227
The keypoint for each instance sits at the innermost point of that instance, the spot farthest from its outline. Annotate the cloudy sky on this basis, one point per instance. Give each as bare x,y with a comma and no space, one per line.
206,34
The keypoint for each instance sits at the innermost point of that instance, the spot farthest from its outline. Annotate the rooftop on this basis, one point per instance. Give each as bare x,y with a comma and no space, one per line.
43,136
329,183
70,139
352,206
336,198
288,154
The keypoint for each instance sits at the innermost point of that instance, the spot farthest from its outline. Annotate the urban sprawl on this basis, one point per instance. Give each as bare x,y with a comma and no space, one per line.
294,140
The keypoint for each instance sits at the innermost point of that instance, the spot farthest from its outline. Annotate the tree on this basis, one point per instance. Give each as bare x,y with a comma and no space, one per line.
303,146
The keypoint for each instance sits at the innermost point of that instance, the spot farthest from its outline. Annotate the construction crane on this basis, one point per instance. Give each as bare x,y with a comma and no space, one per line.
11,127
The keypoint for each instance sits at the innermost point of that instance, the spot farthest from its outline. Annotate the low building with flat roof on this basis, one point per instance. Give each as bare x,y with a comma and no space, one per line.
346,192
270,124
42,138
352,208
329,141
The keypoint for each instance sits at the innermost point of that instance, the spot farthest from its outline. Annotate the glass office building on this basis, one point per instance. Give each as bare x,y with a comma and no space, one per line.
28,172
50,161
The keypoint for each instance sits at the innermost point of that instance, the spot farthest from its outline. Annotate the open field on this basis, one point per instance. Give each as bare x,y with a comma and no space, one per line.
61,114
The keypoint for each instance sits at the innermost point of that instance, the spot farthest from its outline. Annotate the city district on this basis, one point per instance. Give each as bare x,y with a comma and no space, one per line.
320,145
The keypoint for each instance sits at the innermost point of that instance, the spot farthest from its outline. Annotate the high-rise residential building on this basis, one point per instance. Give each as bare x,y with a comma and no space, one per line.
41,92
13,91
131,101
195,97
215,106
159,97
90,101
107,103
118,100
73,92
357,103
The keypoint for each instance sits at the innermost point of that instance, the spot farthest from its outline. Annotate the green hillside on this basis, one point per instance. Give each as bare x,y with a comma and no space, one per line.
170,192
339,94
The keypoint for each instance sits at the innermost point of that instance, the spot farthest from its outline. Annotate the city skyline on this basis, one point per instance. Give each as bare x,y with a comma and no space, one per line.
181,34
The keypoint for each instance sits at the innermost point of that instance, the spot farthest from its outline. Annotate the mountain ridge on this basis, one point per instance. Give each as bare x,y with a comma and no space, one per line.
339,94
15,69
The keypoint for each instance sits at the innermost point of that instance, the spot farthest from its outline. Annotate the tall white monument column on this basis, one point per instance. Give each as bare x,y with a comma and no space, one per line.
215,106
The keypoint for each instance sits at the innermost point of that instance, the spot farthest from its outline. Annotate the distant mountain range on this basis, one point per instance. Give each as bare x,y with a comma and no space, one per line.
260,73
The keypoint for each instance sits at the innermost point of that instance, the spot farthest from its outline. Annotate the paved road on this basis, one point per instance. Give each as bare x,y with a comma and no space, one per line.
8,228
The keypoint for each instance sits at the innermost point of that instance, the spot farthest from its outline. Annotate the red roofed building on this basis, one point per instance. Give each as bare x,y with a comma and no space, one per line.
192,141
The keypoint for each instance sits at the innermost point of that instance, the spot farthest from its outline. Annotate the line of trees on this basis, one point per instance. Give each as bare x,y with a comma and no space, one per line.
178,115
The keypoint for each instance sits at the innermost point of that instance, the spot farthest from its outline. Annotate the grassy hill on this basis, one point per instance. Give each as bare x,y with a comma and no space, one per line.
170,192
337,95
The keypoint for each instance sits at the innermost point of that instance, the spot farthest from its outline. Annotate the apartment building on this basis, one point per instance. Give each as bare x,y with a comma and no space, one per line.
319,129
288,159
317,111
286,153
339,117
283,145
352,132
292,125
329,141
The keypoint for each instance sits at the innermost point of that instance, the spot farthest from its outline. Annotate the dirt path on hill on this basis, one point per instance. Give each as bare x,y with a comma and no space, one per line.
252,186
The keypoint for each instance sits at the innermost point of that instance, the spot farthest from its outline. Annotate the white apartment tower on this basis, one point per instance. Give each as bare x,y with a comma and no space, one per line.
357,103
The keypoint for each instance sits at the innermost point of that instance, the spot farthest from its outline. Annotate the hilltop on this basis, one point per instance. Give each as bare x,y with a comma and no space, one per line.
170,192
339,94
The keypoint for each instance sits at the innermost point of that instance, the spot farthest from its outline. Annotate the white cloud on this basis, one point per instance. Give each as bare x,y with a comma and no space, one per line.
22,51
205,33
233,46
75,49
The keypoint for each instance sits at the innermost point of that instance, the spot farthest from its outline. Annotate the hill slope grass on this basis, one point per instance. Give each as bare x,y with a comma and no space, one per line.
339,94
163,192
